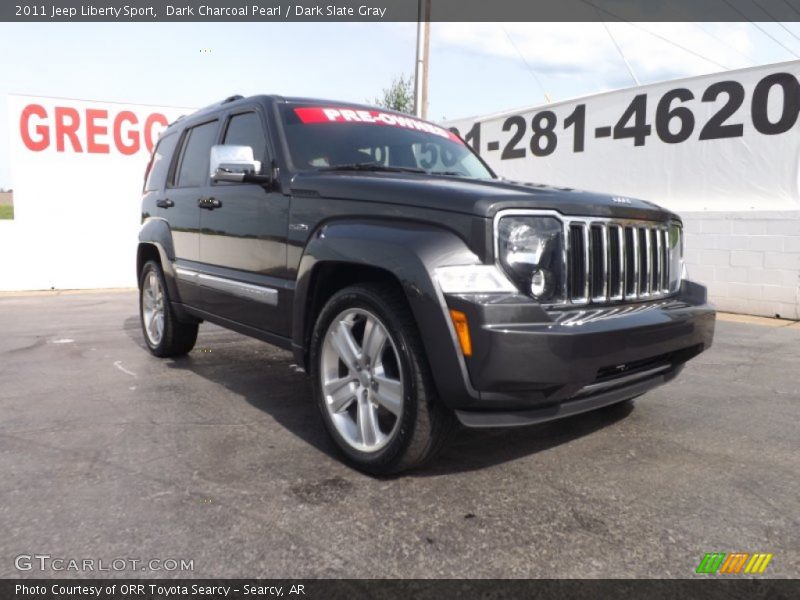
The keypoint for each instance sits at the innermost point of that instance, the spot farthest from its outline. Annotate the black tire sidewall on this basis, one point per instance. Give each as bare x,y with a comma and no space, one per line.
368,299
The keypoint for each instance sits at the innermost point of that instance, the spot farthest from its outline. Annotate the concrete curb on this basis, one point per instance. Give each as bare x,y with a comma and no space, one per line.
753,320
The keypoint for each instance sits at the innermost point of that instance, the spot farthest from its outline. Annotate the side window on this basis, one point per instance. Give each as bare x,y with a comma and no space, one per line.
162,156
193,171
246,130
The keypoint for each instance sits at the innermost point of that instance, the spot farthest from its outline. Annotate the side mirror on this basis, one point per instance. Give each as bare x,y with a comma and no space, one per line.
233,163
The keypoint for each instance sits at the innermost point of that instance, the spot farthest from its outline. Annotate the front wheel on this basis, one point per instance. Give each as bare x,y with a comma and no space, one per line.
372,382
164,334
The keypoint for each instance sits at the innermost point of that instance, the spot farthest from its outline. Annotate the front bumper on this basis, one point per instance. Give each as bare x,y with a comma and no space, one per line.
530,365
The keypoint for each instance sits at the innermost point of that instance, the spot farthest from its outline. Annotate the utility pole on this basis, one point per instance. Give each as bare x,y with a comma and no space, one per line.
423,52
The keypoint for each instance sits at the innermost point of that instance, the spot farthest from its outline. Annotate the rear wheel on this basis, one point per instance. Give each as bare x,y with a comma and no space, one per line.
372,382
163,333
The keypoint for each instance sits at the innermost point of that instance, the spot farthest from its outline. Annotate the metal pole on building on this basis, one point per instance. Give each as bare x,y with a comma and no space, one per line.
423,51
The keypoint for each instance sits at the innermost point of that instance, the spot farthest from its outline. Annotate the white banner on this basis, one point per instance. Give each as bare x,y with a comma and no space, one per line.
724,142
78,169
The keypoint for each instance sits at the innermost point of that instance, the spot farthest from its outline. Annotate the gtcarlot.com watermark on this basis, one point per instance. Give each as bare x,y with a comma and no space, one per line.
46,562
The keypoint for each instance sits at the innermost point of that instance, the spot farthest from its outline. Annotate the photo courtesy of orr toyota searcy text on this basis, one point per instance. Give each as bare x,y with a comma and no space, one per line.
161,591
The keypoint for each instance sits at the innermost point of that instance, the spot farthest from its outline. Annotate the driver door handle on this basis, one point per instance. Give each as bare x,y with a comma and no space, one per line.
165,203
209,203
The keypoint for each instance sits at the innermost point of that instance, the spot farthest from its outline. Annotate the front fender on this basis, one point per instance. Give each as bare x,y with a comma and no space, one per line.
410,252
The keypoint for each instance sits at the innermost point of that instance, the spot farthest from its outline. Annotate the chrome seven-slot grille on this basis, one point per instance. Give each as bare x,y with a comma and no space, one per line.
610,261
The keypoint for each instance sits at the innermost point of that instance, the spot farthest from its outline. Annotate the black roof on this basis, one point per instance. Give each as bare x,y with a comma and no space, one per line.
235,100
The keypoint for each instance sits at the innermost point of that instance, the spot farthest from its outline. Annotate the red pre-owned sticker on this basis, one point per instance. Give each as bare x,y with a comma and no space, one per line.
318,114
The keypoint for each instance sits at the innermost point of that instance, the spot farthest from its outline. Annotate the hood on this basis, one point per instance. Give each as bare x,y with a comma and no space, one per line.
481,198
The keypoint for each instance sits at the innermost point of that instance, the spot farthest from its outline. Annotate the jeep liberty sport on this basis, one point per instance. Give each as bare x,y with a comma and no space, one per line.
415,287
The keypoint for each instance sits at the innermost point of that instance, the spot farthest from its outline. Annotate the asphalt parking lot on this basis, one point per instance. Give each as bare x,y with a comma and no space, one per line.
220,458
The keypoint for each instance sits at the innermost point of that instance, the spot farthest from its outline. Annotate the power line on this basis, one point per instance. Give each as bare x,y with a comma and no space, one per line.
724,43
684,48
660,37
622,56
522,57
766,12
761,29
797,12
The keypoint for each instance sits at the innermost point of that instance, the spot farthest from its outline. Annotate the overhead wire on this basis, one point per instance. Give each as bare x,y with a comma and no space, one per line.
621,54
784,27
761,29
656,35
527,65
724,43
787,3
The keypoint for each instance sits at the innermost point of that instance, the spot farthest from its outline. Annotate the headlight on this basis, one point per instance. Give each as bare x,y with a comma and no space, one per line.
676,266
531,251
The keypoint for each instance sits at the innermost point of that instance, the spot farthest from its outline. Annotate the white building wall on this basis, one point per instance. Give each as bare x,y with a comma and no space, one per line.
750,261
77,198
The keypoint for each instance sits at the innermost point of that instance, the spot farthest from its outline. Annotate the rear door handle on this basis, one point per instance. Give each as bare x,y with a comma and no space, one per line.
165,203
209,203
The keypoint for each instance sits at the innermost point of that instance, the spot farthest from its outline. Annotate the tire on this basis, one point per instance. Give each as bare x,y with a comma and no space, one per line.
405,426
163,333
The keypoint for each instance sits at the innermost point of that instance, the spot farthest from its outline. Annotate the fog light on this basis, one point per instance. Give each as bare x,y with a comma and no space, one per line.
541,283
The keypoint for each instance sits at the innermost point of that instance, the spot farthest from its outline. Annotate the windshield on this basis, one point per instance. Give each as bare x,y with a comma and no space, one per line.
331,138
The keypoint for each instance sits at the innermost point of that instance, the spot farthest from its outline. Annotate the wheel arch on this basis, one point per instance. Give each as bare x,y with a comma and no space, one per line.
400,253
155,243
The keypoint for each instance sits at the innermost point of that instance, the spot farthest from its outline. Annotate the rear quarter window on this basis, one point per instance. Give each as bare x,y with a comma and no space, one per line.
159,167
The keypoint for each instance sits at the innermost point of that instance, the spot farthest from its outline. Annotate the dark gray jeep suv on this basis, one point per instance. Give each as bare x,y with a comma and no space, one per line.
416,288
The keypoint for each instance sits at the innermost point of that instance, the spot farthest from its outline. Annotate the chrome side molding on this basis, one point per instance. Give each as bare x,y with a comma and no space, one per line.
249,291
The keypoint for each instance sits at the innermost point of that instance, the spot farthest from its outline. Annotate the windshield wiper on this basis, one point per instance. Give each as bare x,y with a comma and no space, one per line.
371,166
450,173
376,166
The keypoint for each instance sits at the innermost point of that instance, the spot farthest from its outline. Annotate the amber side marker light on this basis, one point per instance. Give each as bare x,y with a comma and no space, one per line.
462,330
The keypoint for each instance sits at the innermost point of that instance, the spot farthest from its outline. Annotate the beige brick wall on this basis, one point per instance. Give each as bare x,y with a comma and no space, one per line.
6,198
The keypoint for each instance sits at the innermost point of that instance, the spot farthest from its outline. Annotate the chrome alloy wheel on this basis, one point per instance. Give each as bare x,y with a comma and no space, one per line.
362,380
153,308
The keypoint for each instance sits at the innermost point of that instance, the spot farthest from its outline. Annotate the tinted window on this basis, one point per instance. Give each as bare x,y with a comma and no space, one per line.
162,157
194,164
321,137
246,130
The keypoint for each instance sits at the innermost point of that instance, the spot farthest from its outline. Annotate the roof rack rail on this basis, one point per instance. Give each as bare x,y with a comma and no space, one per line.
175,121
233,98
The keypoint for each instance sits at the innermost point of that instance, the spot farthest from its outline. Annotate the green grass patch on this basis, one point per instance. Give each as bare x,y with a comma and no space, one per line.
6,212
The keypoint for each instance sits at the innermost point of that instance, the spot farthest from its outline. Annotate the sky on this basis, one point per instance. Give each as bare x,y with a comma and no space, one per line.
475,68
